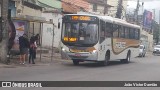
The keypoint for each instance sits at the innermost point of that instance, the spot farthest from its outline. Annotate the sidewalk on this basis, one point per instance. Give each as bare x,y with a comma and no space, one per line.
44,61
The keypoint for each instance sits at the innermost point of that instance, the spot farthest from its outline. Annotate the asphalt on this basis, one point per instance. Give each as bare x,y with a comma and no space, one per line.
41,60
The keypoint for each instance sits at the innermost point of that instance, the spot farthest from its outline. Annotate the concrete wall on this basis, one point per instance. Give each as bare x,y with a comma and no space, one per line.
100,9
113,10
26,10
48,30
34,27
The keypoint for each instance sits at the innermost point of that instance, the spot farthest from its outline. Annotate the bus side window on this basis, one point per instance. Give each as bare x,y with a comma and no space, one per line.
126,32
108,32
115,30
132,33
122,32
102,31
137,34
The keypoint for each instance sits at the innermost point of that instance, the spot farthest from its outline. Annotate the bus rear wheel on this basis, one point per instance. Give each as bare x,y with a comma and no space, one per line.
128,58
75,62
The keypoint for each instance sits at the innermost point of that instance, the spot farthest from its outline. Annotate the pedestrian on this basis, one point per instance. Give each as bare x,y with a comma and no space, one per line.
37,43
23,47
37,38
32,50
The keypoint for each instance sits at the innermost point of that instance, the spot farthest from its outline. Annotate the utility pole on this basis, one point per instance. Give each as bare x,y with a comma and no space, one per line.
159,29
136,12
119,9
4,30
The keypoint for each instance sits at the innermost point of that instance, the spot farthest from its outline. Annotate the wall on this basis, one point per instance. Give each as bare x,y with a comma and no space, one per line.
26,10
113,10
100,9
48,30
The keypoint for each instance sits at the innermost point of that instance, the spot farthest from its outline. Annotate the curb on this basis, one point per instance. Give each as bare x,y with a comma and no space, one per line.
7,66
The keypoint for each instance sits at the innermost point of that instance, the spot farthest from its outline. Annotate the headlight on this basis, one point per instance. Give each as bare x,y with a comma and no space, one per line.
94,51
63,49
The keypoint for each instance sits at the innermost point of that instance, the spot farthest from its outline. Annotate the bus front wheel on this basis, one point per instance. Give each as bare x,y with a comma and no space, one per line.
106,61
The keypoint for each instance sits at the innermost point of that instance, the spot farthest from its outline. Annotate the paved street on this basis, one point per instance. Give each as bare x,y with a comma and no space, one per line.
140,69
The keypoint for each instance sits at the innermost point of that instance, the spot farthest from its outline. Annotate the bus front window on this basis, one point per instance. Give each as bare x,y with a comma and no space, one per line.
82,33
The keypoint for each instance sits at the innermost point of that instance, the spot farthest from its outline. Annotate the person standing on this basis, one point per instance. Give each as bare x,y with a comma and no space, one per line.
37,43
32,50
23,46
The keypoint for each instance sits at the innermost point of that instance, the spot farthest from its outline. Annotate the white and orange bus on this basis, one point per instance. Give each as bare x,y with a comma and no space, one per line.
98,38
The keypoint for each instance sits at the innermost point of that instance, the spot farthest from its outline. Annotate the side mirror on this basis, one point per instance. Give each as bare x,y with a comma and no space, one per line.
59,25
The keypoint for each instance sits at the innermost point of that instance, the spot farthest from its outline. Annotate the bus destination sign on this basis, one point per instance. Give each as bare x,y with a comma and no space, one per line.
81,18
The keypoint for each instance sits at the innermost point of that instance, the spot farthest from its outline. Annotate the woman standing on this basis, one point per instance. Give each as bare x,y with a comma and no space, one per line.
32,50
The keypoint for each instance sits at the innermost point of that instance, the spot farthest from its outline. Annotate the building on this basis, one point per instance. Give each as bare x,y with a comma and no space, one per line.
52,12
74,6
99,7
115,3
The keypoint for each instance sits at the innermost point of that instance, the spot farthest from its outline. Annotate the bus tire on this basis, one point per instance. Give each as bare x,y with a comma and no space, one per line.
128,58
107,58
75,62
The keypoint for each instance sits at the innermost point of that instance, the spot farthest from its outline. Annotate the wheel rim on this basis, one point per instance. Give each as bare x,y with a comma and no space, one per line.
128,58
106,60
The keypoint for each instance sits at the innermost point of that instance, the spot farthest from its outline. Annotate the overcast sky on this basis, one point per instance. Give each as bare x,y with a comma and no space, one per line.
151,4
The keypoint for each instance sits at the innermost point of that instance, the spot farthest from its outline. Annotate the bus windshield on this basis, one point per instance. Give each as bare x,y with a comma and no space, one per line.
80,33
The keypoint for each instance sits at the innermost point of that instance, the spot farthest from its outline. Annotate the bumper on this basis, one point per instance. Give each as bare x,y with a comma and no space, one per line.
156,52
83,56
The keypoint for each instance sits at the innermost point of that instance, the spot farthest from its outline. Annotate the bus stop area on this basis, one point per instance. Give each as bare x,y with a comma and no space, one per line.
31,25
43,58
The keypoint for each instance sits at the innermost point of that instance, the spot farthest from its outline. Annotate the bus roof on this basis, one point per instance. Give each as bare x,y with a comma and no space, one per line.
111,20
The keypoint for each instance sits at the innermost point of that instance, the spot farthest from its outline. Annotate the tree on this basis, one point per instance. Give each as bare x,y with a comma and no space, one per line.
4,31
156,31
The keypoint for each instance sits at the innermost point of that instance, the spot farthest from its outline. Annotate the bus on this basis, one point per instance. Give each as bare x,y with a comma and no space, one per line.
98,38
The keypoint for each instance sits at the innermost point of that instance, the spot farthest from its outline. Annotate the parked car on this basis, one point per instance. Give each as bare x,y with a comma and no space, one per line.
156,50
142,51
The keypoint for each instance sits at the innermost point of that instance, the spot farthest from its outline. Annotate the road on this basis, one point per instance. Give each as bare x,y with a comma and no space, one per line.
140,69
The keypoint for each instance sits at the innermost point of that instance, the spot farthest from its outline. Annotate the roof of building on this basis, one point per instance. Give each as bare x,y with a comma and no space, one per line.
68,8
79,3
74,6
99,2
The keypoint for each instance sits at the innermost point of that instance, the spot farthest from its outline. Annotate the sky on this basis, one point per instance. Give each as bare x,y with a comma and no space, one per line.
149,5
